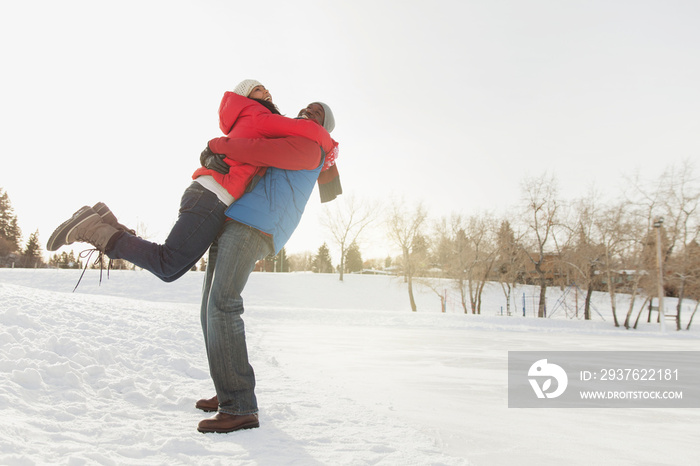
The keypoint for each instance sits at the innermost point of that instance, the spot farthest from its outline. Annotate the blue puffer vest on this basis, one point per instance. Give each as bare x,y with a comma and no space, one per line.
276,203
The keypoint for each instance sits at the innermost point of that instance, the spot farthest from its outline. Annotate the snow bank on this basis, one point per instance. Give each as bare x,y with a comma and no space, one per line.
346,375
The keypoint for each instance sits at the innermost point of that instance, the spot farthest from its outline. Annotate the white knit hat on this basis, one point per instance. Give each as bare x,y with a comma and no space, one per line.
246,86
329,120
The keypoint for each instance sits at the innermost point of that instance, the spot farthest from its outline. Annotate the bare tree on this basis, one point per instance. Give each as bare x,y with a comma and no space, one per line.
692,286
301,262
450,252
643,201
509,260
437,286
466,251
540,214
673,197
617,233
582,253
480,255
346,220
405,230
697,304
681,199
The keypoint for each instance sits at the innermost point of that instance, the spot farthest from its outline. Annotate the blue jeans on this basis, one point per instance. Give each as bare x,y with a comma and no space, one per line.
201,217
232,258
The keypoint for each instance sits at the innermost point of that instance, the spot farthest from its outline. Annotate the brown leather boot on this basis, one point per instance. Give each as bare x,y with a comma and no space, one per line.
208,406
222,423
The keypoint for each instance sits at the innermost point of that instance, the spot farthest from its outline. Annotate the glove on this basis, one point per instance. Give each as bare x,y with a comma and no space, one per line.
214,161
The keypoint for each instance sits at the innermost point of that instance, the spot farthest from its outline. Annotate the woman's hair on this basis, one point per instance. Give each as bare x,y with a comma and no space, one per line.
268,105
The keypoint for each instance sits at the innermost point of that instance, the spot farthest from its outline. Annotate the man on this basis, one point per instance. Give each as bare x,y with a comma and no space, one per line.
261,223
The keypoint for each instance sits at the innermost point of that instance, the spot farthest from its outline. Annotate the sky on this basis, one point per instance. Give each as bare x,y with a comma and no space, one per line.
448,103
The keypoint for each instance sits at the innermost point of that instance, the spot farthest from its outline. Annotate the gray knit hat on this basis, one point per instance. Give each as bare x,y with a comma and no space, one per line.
329,120
246,86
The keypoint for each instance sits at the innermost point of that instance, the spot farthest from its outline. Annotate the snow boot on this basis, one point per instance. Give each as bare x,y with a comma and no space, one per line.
85,225
109,217
208,405
223,422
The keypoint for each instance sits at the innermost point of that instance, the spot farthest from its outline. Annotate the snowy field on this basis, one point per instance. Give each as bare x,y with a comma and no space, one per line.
347,375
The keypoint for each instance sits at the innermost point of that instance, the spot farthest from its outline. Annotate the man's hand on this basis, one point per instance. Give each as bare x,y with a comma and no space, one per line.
214,161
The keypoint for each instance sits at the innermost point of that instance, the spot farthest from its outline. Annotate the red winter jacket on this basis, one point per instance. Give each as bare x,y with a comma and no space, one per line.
291,144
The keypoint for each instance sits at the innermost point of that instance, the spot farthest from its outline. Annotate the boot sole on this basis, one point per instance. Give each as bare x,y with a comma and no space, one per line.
103,211
59,236
250,425
207,410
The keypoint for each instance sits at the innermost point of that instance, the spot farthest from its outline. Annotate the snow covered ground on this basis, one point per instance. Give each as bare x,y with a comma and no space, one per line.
346,375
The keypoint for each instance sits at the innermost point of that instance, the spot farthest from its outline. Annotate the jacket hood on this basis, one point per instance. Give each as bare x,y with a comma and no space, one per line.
230,109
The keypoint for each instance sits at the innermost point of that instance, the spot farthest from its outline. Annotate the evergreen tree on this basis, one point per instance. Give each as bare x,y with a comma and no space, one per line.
281,261
10,234
278,263
65,261
420,253
72,262
353,259
6,247
32,252
322,262
301,262
121,264
55,261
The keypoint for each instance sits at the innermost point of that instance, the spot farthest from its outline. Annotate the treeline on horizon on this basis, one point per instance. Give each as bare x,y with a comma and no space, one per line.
643,242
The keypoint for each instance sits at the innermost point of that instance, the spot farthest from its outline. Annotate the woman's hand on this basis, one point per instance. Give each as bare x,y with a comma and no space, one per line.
213,161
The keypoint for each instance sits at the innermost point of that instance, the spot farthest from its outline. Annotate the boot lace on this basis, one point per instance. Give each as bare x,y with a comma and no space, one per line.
87,254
